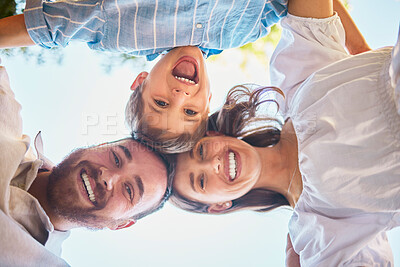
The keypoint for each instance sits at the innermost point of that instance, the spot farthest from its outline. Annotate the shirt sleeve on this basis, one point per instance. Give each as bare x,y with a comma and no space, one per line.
123,26
395,71
149,28
52,24
18,248
10,116
306,45
353,241
55,240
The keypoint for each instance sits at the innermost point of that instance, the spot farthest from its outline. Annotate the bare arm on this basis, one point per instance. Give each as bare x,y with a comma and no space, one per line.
13,32
311,8
355,42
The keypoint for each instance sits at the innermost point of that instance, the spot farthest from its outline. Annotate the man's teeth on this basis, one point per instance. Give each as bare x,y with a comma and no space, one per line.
89,190
185,80
232,165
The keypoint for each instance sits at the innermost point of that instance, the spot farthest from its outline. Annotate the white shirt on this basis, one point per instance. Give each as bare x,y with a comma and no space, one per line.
26,233
348,130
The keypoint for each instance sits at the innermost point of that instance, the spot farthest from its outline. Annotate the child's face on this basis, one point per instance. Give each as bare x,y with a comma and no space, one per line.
176,92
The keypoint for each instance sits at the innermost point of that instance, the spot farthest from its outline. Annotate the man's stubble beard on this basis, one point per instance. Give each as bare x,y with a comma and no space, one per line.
63,196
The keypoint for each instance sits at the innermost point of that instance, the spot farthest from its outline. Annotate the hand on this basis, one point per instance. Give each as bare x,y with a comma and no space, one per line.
292,259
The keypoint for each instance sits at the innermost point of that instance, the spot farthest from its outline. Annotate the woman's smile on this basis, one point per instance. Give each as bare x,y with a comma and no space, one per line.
222,168
232,165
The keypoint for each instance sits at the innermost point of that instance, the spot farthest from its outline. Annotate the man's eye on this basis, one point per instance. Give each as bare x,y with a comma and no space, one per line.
190,112
116,160
129,191
160,103
201,151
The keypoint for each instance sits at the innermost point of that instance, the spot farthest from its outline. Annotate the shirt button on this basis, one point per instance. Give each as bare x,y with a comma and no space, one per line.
199,25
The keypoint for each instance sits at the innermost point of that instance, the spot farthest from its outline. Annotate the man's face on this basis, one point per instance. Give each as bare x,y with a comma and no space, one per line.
106,185
176,93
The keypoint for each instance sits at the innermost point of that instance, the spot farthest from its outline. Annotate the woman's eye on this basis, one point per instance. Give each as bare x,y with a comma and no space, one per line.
129,191
190,112
202,182
116,160
201,151
160,103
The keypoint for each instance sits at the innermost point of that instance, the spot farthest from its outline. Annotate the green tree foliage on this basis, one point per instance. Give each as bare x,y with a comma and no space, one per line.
258,48
7,8
110,60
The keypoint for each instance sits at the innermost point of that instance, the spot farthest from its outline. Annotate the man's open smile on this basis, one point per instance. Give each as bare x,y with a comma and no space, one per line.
88,186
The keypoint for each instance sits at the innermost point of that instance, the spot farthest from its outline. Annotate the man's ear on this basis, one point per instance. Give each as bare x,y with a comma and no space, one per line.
123,225
219,207
139,80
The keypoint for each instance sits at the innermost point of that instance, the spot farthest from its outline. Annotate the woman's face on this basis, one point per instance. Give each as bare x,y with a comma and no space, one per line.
218,169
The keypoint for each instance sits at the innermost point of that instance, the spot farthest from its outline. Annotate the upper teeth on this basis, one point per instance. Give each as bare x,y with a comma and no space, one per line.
185,80
232,165
89,190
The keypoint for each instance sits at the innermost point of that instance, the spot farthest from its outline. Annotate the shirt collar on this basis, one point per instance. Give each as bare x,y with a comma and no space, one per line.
47,164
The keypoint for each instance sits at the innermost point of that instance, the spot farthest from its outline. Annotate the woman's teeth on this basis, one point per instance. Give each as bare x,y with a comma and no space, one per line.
232,165
185,80
88,187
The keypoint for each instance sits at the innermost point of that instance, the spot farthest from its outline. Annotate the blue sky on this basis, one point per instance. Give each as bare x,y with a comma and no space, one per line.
78,104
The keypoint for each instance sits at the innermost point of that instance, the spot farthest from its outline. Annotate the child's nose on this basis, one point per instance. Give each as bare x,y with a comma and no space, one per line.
182,91
179,96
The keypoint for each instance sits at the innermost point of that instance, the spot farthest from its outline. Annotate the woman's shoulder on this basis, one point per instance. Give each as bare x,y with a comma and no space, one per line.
306,45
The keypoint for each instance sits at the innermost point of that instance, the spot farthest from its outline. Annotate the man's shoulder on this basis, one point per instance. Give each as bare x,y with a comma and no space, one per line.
18,247
10,117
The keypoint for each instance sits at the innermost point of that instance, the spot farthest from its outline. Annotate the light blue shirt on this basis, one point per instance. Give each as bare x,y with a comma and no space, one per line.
150,27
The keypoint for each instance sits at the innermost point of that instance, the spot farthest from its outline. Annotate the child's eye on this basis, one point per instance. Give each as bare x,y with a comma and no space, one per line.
160,103
201,152
116,160
190,112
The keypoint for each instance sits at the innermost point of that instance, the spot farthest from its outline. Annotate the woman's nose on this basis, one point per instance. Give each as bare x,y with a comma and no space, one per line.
216,164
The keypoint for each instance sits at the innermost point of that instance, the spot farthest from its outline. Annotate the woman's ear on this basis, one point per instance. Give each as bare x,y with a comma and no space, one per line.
213,133
139,80
123,225
219,207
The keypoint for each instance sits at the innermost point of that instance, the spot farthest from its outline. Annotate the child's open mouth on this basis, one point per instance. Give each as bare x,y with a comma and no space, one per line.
185,70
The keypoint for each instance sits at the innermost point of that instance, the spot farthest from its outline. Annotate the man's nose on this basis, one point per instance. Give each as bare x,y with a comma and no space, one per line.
108,178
